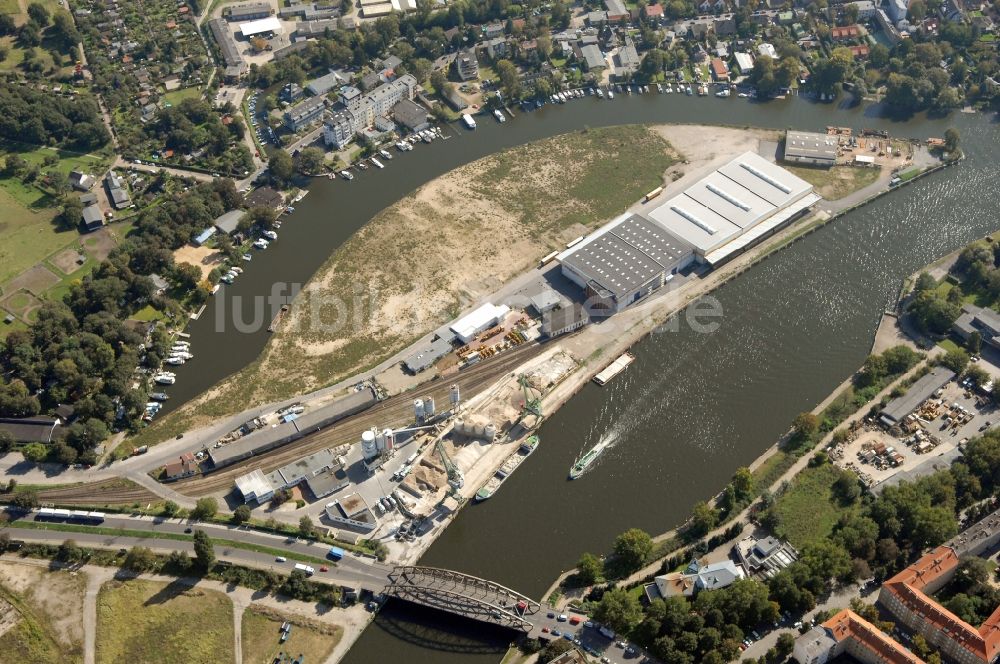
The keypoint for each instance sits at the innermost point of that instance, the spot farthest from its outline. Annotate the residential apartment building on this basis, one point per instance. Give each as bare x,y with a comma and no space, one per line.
467,65
908,597
305,112
847,633
339,129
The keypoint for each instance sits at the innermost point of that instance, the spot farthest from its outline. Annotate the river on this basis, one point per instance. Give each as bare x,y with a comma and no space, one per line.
695,406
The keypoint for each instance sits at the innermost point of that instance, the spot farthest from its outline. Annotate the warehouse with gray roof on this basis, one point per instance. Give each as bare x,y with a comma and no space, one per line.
922,390
806,147
624,261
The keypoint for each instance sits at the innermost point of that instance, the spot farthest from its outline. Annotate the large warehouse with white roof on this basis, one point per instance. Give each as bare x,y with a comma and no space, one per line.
713,220
715,212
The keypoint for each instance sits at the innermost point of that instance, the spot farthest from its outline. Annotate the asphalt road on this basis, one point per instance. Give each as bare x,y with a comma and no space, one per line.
353,570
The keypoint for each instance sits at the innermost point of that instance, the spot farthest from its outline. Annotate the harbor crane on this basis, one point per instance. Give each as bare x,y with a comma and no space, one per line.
532,401
455,477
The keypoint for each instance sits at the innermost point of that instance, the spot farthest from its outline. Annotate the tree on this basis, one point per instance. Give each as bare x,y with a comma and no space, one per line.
139,559
6,442
35,452
631,549
951,138
703,519
71,212
507,72
742,483
977,375
187,276
205,508
974,343
785,645
805,425
204,552
553,649
619,610
311,161
281,167
589,568
170,508
306,527
39,14
241,514
925,282
955,359
69,552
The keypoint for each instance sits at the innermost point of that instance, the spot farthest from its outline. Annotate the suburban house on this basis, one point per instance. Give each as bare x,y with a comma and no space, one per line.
81,181
696,577
185,466
467,65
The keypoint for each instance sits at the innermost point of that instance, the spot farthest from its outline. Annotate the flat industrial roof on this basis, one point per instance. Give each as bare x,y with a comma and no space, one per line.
269,24
920,391
729,201
625,254
811,145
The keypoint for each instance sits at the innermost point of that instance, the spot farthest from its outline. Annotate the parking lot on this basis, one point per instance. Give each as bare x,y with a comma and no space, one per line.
587,636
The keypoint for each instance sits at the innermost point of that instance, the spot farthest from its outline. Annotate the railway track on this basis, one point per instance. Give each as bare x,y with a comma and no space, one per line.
393,411
115,492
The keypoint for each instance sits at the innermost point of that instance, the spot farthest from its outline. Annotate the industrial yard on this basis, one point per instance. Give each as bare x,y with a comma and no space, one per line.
403,483
918,433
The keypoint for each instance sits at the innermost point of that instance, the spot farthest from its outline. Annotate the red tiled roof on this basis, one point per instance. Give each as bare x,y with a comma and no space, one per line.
719,67
908,587
849,625
845,32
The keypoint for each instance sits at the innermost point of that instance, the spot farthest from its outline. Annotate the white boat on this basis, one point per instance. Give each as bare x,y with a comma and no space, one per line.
347,175
498,114
469,121
743,95
247,257
175,361
184,355
600,93
427,136
237,270
385,153
688,91
261,243
722,93
611,95
579,93
403,146
215,289
165,380
226,279
659,88
378,164
645,89
362,165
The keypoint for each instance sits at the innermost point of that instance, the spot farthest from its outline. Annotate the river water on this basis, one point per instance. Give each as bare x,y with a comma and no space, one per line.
694,406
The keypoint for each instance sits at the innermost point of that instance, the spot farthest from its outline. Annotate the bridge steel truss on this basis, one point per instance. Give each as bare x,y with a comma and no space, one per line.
462,594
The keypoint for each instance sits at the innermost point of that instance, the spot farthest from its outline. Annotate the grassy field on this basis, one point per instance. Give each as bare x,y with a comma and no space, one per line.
837,182
808,510
262,629
26,236
177,96
141,621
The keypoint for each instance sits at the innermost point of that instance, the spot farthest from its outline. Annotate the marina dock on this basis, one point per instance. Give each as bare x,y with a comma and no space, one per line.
614,368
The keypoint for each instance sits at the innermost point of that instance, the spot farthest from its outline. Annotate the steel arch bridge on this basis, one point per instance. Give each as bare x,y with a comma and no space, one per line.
463,595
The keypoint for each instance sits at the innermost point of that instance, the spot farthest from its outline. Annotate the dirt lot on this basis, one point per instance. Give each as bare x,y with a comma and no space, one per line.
36,279
66,260
204,258
262,629
56,598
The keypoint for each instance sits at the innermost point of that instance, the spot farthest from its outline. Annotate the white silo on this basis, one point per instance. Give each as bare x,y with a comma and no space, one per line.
418,410
489,432
455,396
369,447
388,437
428,407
